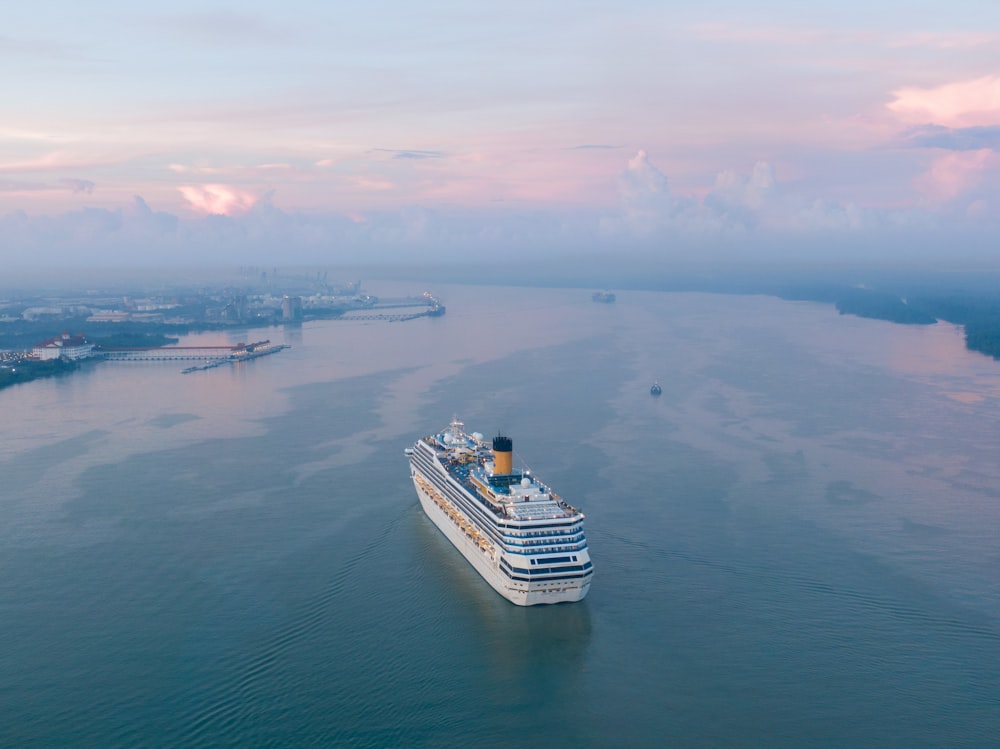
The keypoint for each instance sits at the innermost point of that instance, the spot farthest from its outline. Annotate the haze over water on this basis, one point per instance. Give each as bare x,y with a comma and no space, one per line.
795,545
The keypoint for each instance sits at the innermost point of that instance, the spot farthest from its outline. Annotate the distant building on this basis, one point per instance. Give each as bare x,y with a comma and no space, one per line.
66,346
236,310
35,313
147,305
291,308
109,315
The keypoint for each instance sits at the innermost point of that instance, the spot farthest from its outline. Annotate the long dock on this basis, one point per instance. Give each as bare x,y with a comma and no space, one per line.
166,353
248,352
212,356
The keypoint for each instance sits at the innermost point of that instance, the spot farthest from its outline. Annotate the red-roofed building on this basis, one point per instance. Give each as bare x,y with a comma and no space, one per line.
66,346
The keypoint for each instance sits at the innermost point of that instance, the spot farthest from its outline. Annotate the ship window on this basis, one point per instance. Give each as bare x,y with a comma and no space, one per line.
550,570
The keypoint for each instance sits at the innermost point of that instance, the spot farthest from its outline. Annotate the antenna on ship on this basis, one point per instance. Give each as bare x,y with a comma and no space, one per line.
503,460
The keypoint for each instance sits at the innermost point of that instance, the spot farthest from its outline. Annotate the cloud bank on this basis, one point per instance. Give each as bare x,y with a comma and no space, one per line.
749,215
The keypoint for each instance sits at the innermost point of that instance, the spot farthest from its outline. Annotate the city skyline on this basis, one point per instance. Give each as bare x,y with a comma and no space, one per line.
308,133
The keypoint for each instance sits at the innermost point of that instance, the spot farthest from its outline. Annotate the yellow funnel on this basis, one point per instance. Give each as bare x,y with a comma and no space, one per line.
503,456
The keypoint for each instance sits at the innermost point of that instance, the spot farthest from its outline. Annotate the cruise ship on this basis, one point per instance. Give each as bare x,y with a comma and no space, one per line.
524,540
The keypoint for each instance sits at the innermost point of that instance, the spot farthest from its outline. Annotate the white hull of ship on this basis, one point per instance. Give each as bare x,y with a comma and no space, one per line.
486,561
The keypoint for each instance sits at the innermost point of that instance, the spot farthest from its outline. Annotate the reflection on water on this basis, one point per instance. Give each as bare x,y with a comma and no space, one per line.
794,545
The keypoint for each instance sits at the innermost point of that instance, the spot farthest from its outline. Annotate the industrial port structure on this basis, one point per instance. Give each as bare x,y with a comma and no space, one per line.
187,353
210,356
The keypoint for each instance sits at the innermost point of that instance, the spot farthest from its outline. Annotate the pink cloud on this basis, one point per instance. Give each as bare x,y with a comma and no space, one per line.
185,169
945,39
373,183
969,103
242,171
48,162
221,200
954,173
783,34
801,36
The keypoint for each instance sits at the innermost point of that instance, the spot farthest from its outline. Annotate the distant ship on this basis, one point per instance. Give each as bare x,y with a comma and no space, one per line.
656,389
607,297
524,540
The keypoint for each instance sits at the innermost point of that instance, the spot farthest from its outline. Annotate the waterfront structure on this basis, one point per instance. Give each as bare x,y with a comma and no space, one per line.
524,540
167,353
66,346
110,315
291,308
217,354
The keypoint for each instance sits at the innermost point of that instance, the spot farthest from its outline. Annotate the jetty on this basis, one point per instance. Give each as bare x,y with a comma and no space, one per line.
211,356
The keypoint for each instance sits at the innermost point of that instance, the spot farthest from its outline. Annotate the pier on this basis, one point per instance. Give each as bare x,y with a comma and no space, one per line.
405,308
212,356
166,353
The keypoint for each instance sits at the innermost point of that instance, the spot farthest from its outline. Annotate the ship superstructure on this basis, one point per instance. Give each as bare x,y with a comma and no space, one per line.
525,540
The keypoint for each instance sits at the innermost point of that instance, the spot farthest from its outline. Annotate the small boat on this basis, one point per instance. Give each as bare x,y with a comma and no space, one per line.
656,389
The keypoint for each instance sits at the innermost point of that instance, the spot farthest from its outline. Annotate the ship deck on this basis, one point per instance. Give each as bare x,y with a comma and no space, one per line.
461,472
548,509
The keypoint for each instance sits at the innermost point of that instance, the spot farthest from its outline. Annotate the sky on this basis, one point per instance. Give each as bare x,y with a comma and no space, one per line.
315,132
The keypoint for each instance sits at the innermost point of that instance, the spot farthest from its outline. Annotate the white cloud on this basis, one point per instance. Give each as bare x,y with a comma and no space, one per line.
823,215
646,201
738,205
740,199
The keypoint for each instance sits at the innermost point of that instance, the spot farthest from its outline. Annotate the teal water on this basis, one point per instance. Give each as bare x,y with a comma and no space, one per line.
795,545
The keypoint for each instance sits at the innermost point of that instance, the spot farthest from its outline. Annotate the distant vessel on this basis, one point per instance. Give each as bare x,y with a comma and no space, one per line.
524,540
607,297
656,389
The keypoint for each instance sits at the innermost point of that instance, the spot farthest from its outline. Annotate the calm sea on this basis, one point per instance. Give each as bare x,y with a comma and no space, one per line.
797,544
